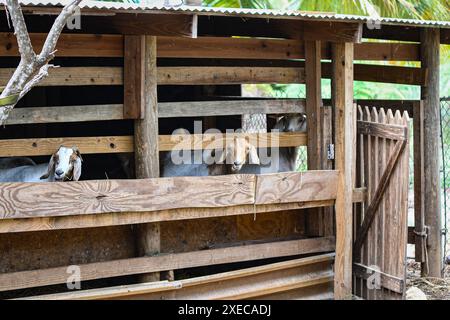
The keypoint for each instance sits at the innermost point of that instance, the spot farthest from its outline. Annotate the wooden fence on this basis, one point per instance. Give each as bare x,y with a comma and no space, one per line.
381,220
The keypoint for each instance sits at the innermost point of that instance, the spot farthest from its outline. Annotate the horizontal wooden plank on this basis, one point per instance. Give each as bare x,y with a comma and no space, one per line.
69,45
296,186
225,108
47,146
25,200
387,281
75,76
229,75
126,218
125,144
214,141
162,262
388,131
33,115
97,45
238,284
381,73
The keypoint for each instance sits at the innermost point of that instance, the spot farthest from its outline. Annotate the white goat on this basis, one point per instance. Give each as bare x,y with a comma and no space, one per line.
64,165
13,162
237,152
287,156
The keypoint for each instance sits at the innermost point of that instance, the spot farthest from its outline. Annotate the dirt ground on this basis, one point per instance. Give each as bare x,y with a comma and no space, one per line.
435,289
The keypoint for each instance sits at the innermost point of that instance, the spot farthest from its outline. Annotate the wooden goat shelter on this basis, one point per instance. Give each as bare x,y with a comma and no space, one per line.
131,75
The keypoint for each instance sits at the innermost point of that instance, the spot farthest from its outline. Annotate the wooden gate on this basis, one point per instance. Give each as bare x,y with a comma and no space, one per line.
380,227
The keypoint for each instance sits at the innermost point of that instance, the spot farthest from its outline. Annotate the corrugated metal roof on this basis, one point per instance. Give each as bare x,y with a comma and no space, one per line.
158,6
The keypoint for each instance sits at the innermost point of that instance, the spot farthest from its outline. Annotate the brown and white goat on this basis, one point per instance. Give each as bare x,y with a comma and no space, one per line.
64,165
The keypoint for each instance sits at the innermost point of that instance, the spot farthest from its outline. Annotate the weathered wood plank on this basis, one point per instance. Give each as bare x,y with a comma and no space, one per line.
69,45
394,132
332,31
238,284
47,146
430,54
126,218
296,186
143,106
75,76
24,200
229,75
387,281
163,262
124,144
342,98
98,45
214,141
223,108
65,114
134,73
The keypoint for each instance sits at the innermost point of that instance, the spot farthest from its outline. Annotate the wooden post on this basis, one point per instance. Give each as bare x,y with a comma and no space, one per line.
429,50
142,67
313,72
342,100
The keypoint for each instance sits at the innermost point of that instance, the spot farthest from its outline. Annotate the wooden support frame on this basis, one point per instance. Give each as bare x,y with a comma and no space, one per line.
430,54
299,275
164,262
342,97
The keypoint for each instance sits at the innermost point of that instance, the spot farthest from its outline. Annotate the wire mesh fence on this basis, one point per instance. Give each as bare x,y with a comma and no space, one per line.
445,169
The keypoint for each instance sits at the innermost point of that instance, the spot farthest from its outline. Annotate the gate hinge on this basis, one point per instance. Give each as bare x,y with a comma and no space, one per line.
330,152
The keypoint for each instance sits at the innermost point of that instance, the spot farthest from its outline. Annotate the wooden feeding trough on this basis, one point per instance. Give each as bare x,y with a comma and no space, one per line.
131,75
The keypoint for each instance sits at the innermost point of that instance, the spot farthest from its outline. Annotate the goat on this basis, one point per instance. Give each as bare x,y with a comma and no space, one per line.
287,156
64,165
229,160
13,162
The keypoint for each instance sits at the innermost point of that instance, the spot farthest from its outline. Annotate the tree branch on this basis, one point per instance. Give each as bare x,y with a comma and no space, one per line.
32,68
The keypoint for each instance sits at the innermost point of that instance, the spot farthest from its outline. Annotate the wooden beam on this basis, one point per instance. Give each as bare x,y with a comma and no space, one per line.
215,141
69,45
387,281
313,72
277,28
47,146
163,262
99,196
332,31
153,24
96,45
388,131
126,218
445,36
77,76
125,144
62,114
238,284
226,108
143,106
419,180
431,152
296,186
342,96
134,73
228,75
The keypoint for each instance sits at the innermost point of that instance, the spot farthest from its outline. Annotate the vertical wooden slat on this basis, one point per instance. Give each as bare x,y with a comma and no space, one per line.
327,214
313,72
133,77
146,147
419,210
431,130
342,96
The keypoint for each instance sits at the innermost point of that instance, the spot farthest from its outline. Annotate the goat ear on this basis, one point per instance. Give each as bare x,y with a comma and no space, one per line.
76,169
77,152
50,168
253,155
